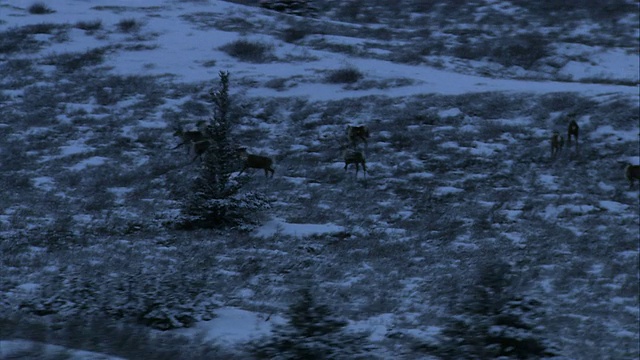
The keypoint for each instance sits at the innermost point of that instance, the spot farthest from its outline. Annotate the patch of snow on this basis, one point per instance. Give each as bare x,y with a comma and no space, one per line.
15,349
606,187
547,285
613,206
233,325
295,180
629,254
279,226
634,311
379,325
548,181
246,293
92,161
421,175
470,128
449,113
512,214
120,193
82,218
28,287
611,64
464,246
486,149
152,124
449,145
609,134
76,147
516,238
446,190
596,269
45,183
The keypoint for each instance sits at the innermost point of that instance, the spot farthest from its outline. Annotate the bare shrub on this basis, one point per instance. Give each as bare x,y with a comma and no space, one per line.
209,63
40,9
249,51
129,25
21,39
277,84
413,55
109,90
70,62
350,10
521,50
564,101
17,73
89,25
294,34
347,75
294,7
493,105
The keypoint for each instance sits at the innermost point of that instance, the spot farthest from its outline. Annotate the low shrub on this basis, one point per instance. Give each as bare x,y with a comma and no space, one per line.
70,62
249,51
40,9
347,75
294,7
89,25
129,25
294,34
20,39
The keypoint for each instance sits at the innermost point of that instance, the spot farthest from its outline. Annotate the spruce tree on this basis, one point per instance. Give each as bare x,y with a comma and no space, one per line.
216,200
493,321
312,333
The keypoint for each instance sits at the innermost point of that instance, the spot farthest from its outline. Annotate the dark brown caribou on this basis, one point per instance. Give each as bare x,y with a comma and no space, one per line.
632,173
557,142
573,130
357,133
357,158
193,139
255,162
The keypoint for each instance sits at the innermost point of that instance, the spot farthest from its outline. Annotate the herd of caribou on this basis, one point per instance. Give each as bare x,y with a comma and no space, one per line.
631,172
199,142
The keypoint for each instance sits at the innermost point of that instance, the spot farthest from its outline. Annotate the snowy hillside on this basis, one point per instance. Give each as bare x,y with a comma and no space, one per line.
466,238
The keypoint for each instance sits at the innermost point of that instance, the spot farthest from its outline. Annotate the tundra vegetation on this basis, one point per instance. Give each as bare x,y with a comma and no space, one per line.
467,242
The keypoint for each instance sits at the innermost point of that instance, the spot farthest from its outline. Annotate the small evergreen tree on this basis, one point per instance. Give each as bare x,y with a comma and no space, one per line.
493,322
216,200
312,333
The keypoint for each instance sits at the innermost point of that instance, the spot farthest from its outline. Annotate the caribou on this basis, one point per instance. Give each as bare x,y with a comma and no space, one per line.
194,139
255,162
357,158
573,130
632,173
557,142
357,133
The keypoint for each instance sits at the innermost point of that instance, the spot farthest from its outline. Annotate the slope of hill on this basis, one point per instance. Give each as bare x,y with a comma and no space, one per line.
462,204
